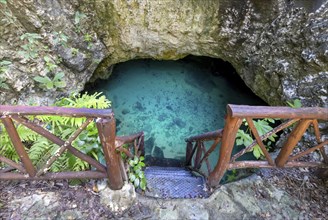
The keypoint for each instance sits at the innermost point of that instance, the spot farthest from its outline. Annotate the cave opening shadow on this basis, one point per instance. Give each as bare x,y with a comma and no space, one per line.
172,100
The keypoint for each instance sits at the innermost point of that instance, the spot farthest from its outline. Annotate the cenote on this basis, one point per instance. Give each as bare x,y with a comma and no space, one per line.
172,100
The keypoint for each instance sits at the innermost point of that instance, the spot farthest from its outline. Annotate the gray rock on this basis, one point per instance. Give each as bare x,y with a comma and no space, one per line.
35,206
278,48
118,200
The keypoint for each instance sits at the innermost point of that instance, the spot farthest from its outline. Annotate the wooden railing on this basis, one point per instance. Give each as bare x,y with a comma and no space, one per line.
105,121
301,117
133,145
196,153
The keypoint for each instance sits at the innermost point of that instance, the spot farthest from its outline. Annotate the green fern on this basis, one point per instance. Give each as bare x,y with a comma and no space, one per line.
40,149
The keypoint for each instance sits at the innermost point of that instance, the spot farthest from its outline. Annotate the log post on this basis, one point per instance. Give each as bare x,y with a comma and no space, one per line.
188,153
107,131
198,156
18,145
292,140
228,139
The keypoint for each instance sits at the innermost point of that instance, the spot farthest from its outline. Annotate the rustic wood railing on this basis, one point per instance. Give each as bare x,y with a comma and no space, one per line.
132,146
301,117
105,121
196,153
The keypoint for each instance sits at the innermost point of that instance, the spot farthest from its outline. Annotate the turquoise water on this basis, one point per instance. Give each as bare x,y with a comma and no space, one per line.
170,101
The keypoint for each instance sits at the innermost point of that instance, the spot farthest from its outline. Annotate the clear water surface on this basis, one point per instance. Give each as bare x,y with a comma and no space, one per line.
170,101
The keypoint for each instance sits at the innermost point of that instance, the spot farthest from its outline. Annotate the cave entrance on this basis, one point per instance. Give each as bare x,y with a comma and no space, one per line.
172,100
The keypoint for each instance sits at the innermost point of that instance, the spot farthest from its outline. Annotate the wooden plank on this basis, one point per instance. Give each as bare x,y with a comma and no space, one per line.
62,148
228,139
291,142
49,110
318,138
198,156
120,140
55,176
12,164
211,149
18,145
259,141
265,164
208,165
263,137
308,151
53,138
243,111
212,135
189,153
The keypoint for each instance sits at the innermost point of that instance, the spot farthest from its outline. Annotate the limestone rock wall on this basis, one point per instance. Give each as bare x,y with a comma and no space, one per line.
278,47
43,38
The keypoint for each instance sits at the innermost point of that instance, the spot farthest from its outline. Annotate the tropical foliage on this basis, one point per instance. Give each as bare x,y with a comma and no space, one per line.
244,137
40,149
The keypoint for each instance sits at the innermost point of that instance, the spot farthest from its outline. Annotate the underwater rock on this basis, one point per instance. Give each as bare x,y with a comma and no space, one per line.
139,107
162,117
157,152
125,111
149,144
178,122
168,107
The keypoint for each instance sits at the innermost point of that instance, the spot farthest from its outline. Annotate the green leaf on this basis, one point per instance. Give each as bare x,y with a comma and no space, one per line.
59,84
132,177
256,152
141,175
3,85
59,76
131,163
42,80
244,138
137,168
5,63
136,182
46,58
143,184
49,85
296,103
270,120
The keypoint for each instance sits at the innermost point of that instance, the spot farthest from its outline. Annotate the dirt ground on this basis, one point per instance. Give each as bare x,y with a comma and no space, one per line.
300,183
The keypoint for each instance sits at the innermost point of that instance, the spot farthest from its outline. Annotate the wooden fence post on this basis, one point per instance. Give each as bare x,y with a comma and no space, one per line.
292,140
228,139
18,145
107,132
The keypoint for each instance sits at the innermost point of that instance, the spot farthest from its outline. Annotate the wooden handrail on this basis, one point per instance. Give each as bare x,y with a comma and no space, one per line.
244,111
235,115
199,152
212,135
105,121
49,110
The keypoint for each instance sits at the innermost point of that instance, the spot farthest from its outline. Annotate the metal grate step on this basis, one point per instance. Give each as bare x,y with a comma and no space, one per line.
174,182
167,171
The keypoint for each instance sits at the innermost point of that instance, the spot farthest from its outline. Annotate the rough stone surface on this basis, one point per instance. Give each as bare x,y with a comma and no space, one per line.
118,200
244,199
268,194
279,48
77,58
40,205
